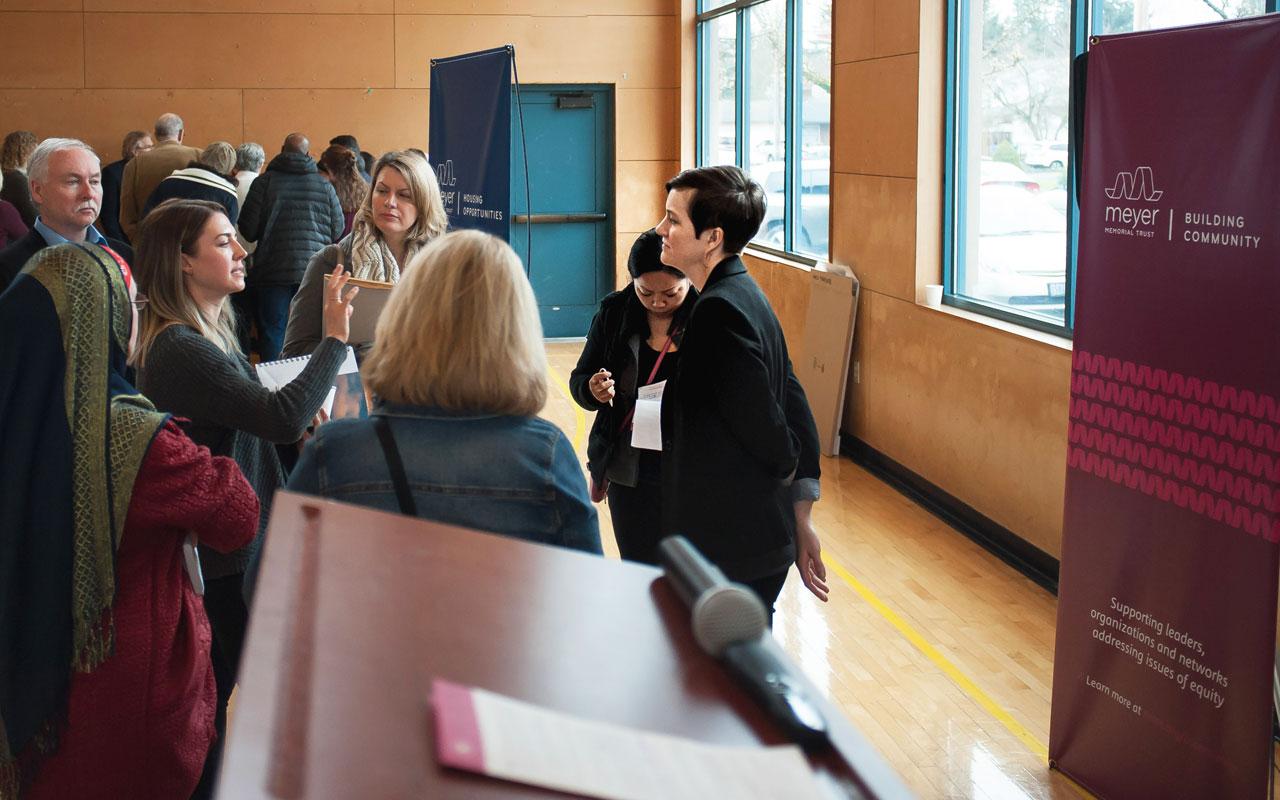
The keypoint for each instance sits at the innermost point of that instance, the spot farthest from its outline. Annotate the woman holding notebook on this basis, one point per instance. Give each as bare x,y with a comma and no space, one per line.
399,215
189,363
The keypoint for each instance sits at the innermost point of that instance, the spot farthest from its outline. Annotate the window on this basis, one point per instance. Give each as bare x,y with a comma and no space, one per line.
1011,220
764,104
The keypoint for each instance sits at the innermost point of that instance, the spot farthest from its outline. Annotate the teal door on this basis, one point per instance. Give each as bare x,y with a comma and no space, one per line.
569,131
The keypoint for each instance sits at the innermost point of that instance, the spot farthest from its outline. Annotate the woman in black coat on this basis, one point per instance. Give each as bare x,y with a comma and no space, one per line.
634,341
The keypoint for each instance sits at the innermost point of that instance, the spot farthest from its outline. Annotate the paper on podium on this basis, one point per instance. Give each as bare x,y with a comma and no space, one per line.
493,735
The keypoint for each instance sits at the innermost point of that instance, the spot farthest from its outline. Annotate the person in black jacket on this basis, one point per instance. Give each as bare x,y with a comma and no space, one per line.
109,220
634,341
743,433
66,185
291,211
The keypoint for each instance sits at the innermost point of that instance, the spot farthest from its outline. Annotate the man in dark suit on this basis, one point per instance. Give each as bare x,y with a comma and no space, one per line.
66,186
744,468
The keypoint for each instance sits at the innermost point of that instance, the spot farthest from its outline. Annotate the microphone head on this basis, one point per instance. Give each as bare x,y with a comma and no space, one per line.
726,615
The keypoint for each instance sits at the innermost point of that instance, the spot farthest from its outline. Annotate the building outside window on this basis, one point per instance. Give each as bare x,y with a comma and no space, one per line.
1010,217
764,104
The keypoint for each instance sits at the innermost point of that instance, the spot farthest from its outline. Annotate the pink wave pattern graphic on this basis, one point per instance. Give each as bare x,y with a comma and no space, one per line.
1190,443
1187,470
1168,490
1186,387
1208,422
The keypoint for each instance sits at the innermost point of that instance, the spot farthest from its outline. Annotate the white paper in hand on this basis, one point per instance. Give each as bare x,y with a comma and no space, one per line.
646,425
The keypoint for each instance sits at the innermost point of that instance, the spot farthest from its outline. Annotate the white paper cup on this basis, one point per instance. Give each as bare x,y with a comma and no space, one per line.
933,294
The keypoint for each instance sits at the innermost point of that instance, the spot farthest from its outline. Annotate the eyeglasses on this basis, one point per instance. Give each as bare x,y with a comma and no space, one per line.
139,302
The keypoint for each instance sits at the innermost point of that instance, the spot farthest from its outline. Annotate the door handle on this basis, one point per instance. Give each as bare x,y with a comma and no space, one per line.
544,219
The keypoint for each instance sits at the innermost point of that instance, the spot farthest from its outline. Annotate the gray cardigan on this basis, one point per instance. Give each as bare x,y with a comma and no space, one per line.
234,415
306,312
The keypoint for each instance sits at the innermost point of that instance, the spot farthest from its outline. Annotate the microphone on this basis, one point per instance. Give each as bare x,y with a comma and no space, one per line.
730,623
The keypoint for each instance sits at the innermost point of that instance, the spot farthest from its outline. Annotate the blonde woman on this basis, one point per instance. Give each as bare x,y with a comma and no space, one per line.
401,213
190,365
461,374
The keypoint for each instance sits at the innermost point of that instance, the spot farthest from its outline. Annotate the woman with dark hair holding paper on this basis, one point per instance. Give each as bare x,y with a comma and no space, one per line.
189,363
634,341
401,213
106,689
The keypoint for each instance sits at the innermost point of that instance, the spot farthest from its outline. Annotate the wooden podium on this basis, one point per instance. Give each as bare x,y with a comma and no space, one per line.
358,610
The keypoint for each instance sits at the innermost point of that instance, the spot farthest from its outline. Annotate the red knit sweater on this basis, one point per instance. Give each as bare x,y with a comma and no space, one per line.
139,725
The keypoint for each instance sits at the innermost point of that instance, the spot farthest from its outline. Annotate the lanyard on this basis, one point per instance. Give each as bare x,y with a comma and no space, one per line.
626,423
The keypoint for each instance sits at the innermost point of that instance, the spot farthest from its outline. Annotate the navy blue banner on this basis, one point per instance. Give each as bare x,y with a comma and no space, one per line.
470,138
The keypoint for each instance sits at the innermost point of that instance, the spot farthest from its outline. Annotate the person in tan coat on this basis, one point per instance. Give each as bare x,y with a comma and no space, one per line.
143,174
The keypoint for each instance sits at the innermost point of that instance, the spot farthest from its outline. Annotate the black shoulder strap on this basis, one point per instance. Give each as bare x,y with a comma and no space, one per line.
395,466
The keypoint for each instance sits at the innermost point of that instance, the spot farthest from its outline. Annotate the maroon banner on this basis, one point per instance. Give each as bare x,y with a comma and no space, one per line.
1167,601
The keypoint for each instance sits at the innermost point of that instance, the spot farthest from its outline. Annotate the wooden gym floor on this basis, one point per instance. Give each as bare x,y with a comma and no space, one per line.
940,653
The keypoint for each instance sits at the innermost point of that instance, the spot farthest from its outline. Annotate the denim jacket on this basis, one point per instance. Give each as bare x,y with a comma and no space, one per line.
516,476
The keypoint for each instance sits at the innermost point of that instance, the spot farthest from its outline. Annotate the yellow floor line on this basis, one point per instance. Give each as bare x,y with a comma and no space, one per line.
579,416
942,662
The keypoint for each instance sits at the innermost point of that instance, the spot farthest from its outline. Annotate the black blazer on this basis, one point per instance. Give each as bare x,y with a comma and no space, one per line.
742,430
14,257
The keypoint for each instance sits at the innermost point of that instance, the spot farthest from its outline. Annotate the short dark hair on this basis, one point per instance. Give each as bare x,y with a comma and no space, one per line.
367,159
346,140
646,256
723,197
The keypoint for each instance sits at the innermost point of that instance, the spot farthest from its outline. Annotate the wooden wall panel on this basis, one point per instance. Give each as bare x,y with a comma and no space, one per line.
247,6
540,8
648,124
853,30
382,119
101,117
897,27
238,50
977,411
640,197
41,50
626,51
875,104
40,5
875,231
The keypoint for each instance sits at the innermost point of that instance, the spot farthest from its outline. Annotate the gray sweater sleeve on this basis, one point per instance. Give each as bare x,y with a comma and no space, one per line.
306,318
187,375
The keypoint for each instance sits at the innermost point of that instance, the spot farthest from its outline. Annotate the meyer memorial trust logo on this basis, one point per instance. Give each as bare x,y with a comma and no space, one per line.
1133,212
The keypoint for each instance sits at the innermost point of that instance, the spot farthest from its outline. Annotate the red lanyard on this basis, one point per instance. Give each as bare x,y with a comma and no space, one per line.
626,423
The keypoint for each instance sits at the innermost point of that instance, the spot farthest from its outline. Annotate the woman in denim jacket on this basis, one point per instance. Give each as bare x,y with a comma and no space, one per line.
460,373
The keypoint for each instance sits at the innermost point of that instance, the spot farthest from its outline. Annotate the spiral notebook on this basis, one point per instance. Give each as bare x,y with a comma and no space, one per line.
346,397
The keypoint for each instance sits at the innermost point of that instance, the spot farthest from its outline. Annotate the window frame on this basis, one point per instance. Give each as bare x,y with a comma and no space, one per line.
793,80
1083,25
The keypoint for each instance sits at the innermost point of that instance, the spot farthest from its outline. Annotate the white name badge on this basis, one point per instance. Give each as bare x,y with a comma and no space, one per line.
646,425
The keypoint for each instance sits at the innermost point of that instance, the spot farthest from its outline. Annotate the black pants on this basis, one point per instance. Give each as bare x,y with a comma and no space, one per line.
768,588
637,520
224,604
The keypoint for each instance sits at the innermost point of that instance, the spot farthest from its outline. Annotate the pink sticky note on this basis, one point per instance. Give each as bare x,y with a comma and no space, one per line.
458,742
